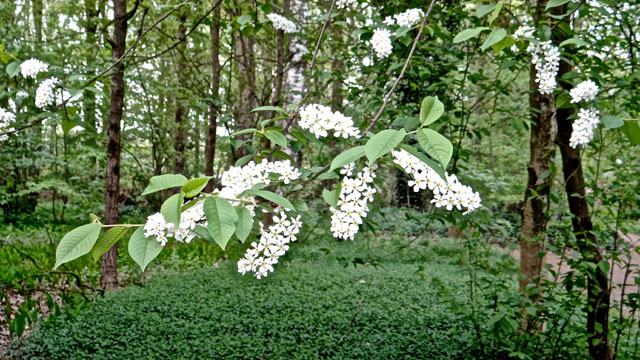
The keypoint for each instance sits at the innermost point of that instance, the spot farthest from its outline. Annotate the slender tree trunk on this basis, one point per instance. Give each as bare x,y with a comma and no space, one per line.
280,54
109,278
91,25
37,18
215,98
295,73
178,159
598,292
245,62
536,197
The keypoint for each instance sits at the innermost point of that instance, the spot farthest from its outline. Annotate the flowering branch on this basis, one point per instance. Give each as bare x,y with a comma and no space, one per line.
404,69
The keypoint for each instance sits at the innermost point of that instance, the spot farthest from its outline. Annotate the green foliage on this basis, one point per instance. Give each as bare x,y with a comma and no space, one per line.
143,249
77,242
382,143
221,219
164,182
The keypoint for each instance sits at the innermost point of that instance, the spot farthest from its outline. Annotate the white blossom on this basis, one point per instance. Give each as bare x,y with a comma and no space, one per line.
22,94
352,207
6,118
586,90
319,120
389,21
45,94
282,23
274,242
583,126
409,17
157,226
449,194
32,67
546,59
381,42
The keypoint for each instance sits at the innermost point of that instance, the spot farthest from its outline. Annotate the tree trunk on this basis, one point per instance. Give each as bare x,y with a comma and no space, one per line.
598,292
109,275
279,79
91,26
37,18
536,197
245,62
295,73
215,98
178,159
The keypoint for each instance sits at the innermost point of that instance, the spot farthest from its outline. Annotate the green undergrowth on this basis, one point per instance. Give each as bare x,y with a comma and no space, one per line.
321,302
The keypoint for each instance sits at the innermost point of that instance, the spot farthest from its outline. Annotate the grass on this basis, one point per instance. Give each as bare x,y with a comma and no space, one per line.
311,307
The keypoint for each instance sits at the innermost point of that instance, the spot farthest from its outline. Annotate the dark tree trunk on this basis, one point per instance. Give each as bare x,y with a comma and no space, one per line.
598,292
534,209
37,18
91,26
178,159
245,61
109,275
215,98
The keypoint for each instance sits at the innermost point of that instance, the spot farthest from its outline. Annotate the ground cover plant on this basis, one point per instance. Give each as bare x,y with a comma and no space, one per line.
144,142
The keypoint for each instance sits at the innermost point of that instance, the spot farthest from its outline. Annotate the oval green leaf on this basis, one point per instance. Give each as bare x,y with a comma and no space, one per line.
467,34
383,142
431,110
143,249
163,182
77,242
436,146
171,208
106,240
347,157
221,220
245,224
193,187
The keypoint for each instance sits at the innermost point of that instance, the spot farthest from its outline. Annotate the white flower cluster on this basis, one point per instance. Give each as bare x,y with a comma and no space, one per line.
586,90
273,243
450,194
6,118
524,31
22,94
319,120
409,17
32,67
546,59
235,180
157,226
355,193
45,94
282,23
583,126
381,42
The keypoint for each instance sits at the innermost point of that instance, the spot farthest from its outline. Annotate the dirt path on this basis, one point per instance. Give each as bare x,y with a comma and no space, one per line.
619,269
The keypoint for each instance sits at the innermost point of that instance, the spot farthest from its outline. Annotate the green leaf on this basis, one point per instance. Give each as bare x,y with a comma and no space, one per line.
242,132
494,37
243,160
432,164
632,131
436,145
401,31
269,108
77,242
331,197
563,101
502,44
328,175
171,208
273,197
554,3
68,125
106,240
143,249
347,157
383,142
202,232
163,182
301,206
221,220
14,68
244,19
574,41
193,187
496,11
467,34
612,121
431,110
276,137
483,10
245,224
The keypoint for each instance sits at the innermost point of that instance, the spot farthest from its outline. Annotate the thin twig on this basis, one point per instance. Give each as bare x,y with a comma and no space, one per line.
353,318
404,69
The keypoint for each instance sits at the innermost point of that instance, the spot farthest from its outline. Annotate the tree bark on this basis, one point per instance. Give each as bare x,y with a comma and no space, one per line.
91,26
109,274
280,54
536,197
37,18
598,292
215,98
178,158
245,62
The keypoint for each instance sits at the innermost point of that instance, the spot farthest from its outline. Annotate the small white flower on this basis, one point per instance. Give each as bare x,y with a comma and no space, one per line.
32,67
585,91
583,126
381,42
282,23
